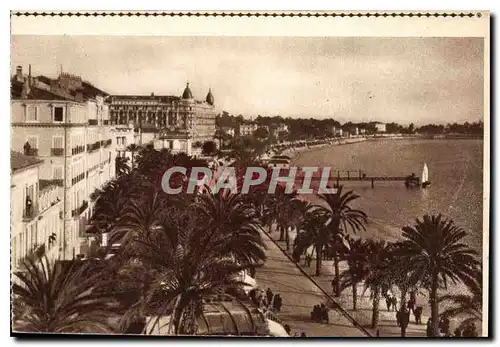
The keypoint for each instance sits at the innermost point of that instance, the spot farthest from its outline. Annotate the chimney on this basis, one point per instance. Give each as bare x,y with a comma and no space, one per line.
29,75
19,73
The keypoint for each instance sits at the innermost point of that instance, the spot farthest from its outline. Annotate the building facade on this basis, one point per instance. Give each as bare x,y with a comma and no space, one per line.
381,127
36,212
65,122
247,129
178,122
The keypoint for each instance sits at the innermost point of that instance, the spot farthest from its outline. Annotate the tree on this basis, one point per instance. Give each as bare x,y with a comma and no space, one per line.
209,148
121,166
60,298
133,149
342,216
376,274
465,305
313,231
356,272
434,250
196,258
261,133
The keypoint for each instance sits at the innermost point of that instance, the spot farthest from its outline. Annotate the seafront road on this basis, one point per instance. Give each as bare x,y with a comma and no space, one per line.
299,295
280,272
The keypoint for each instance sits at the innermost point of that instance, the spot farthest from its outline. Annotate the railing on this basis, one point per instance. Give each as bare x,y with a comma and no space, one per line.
77,150
92,121
77,178
79,210
30,212
57,152
33,152
94,146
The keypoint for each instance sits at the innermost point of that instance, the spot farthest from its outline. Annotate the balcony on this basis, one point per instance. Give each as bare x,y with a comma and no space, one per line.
33,152
57,152
77,150
93,122
29,213
79,210
94,146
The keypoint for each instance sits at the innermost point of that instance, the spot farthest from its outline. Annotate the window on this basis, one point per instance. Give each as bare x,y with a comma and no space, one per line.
58,114
33,141
57,172
57,142
31,114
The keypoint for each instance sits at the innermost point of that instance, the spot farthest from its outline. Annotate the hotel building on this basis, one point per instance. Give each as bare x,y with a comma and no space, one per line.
178,123
36,211
65,123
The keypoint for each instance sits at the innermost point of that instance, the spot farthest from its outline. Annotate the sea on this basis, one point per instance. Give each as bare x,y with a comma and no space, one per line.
455,172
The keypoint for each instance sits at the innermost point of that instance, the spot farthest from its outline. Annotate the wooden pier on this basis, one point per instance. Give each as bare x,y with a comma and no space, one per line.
359,176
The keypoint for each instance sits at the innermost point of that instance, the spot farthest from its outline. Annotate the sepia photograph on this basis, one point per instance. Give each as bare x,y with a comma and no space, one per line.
276,177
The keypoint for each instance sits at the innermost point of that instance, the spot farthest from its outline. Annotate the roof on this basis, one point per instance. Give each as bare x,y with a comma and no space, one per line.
187,92
163,98
210,98
19,161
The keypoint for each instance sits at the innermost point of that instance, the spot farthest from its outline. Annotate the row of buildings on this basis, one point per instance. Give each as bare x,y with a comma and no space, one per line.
66,134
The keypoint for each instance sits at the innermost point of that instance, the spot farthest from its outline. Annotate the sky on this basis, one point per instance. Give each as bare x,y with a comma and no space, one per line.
403,80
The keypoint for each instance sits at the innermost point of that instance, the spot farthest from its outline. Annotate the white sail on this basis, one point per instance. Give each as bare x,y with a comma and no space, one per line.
425,174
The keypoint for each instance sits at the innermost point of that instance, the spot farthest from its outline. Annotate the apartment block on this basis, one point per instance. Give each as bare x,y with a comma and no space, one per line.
65,123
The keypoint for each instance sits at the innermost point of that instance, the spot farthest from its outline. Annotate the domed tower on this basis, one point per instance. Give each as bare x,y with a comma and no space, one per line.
187,92
210,98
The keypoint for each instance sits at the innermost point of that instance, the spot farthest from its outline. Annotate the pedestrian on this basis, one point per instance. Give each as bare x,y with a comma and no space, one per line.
457,332
324,313
429,328
413,300
398,318
418,314
404,319
288,329
388,301
309,260
269,295
303,334
395,303
334,285
278,302
444,326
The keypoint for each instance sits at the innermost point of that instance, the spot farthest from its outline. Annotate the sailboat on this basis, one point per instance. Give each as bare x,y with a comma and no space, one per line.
425,176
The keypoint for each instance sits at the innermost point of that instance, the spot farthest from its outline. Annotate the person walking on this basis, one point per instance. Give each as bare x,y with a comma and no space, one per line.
269,295
277,303
418,314
404,316
388,301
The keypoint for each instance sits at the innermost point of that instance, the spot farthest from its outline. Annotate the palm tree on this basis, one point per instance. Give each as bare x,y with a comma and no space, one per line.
133,148
282,208
356,272
376,274
434,250
463,305
342,216
121,166
196,257
60,298
313,231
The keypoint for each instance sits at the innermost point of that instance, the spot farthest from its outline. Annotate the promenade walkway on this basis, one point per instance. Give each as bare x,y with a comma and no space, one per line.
299,295
387,323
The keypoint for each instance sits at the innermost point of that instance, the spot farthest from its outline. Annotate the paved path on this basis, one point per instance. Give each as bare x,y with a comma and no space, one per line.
387,323
299,295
